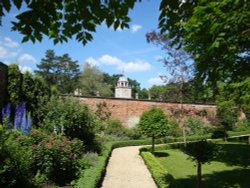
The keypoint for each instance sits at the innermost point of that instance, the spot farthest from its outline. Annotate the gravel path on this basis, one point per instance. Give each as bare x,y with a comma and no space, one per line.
126,169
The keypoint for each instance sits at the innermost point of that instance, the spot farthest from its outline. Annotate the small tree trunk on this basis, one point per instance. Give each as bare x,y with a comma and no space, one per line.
153,144
199,175
249,140
184,136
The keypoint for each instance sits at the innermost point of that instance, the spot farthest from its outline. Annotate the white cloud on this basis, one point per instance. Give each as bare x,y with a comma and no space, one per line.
109,60
24,69
135,28
156,81
8,42
132,66
27,57
92,61
4,53
137,66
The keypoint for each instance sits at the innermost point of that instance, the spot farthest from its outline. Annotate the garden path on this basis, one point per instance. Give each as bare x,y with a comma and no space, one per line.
126,169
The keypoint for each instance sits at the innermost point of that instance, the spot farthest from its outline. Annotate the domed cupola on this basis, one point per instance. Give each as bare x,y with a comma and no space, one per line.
122,89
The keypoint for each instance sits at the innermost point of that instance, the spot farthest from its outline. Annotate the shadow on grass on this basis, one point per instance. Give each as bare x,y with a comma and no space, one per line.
234,154
160,154
238,178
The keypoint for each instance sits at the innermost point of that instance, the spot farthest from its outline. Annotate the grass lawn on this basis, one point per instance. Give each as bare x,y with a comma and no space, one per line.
231,168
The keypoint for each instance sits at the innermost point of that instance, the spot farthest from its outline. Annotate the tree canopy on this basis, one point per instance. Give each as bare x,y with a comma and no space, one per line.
154,123
215,32
61,20
60,71
92,82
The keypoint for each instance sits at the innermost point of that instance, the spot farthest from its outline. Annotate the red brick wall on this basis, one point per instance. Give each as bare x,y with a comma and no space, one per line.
130,110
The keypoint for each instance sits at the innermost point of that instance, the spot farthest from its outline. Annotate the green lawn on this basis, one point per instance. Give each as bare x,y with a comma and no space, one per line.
231,168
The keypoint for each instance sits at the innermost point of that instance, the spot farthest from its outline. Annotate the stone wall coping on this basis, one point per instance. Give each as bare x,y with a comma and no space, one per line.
143,100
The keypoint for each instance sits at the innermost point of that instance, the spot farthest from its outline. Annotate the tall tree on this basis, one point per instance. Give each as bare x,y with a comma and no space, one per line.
60,71
47,67
67,74
63,19
143,94
158,92
92,82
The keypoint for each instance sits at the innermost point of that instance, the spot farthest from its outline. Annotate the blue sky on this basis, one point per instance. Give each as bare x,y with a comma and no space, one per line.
112,51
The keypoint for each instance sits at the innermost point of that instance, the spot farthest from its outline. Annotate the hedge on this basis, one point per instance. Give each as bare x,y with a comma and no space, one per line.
160,175
92,177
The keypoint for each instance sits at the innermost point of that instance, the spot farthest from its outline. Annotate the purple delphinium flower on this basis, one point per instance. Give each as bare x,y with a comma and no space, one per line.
6,114
20,111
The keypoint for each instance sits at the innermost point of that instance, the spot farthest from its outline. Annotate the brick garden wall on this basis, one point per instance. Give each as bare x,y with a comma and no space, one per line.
130,110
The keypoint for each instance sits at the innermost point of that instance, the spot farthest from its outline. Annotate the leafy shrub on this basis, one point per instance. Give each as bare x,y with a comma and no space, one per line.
242,126
174,129
228,114
115,128
70,117
15,162
194,126
219,134
133,133
54,156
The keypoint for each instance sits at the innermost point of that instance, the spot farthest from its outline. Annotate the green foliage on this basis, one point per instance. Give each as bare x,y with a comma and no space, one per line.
224,171
174,129
154,123
56,157
14,84
92,82
133,133
102,116
217,39
195,126
161,176
60,71
68,116
201,151
158,92
69,18
35,94
219,133
227,113
92,177
15,161
143,94
115,128
243,125
239,92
